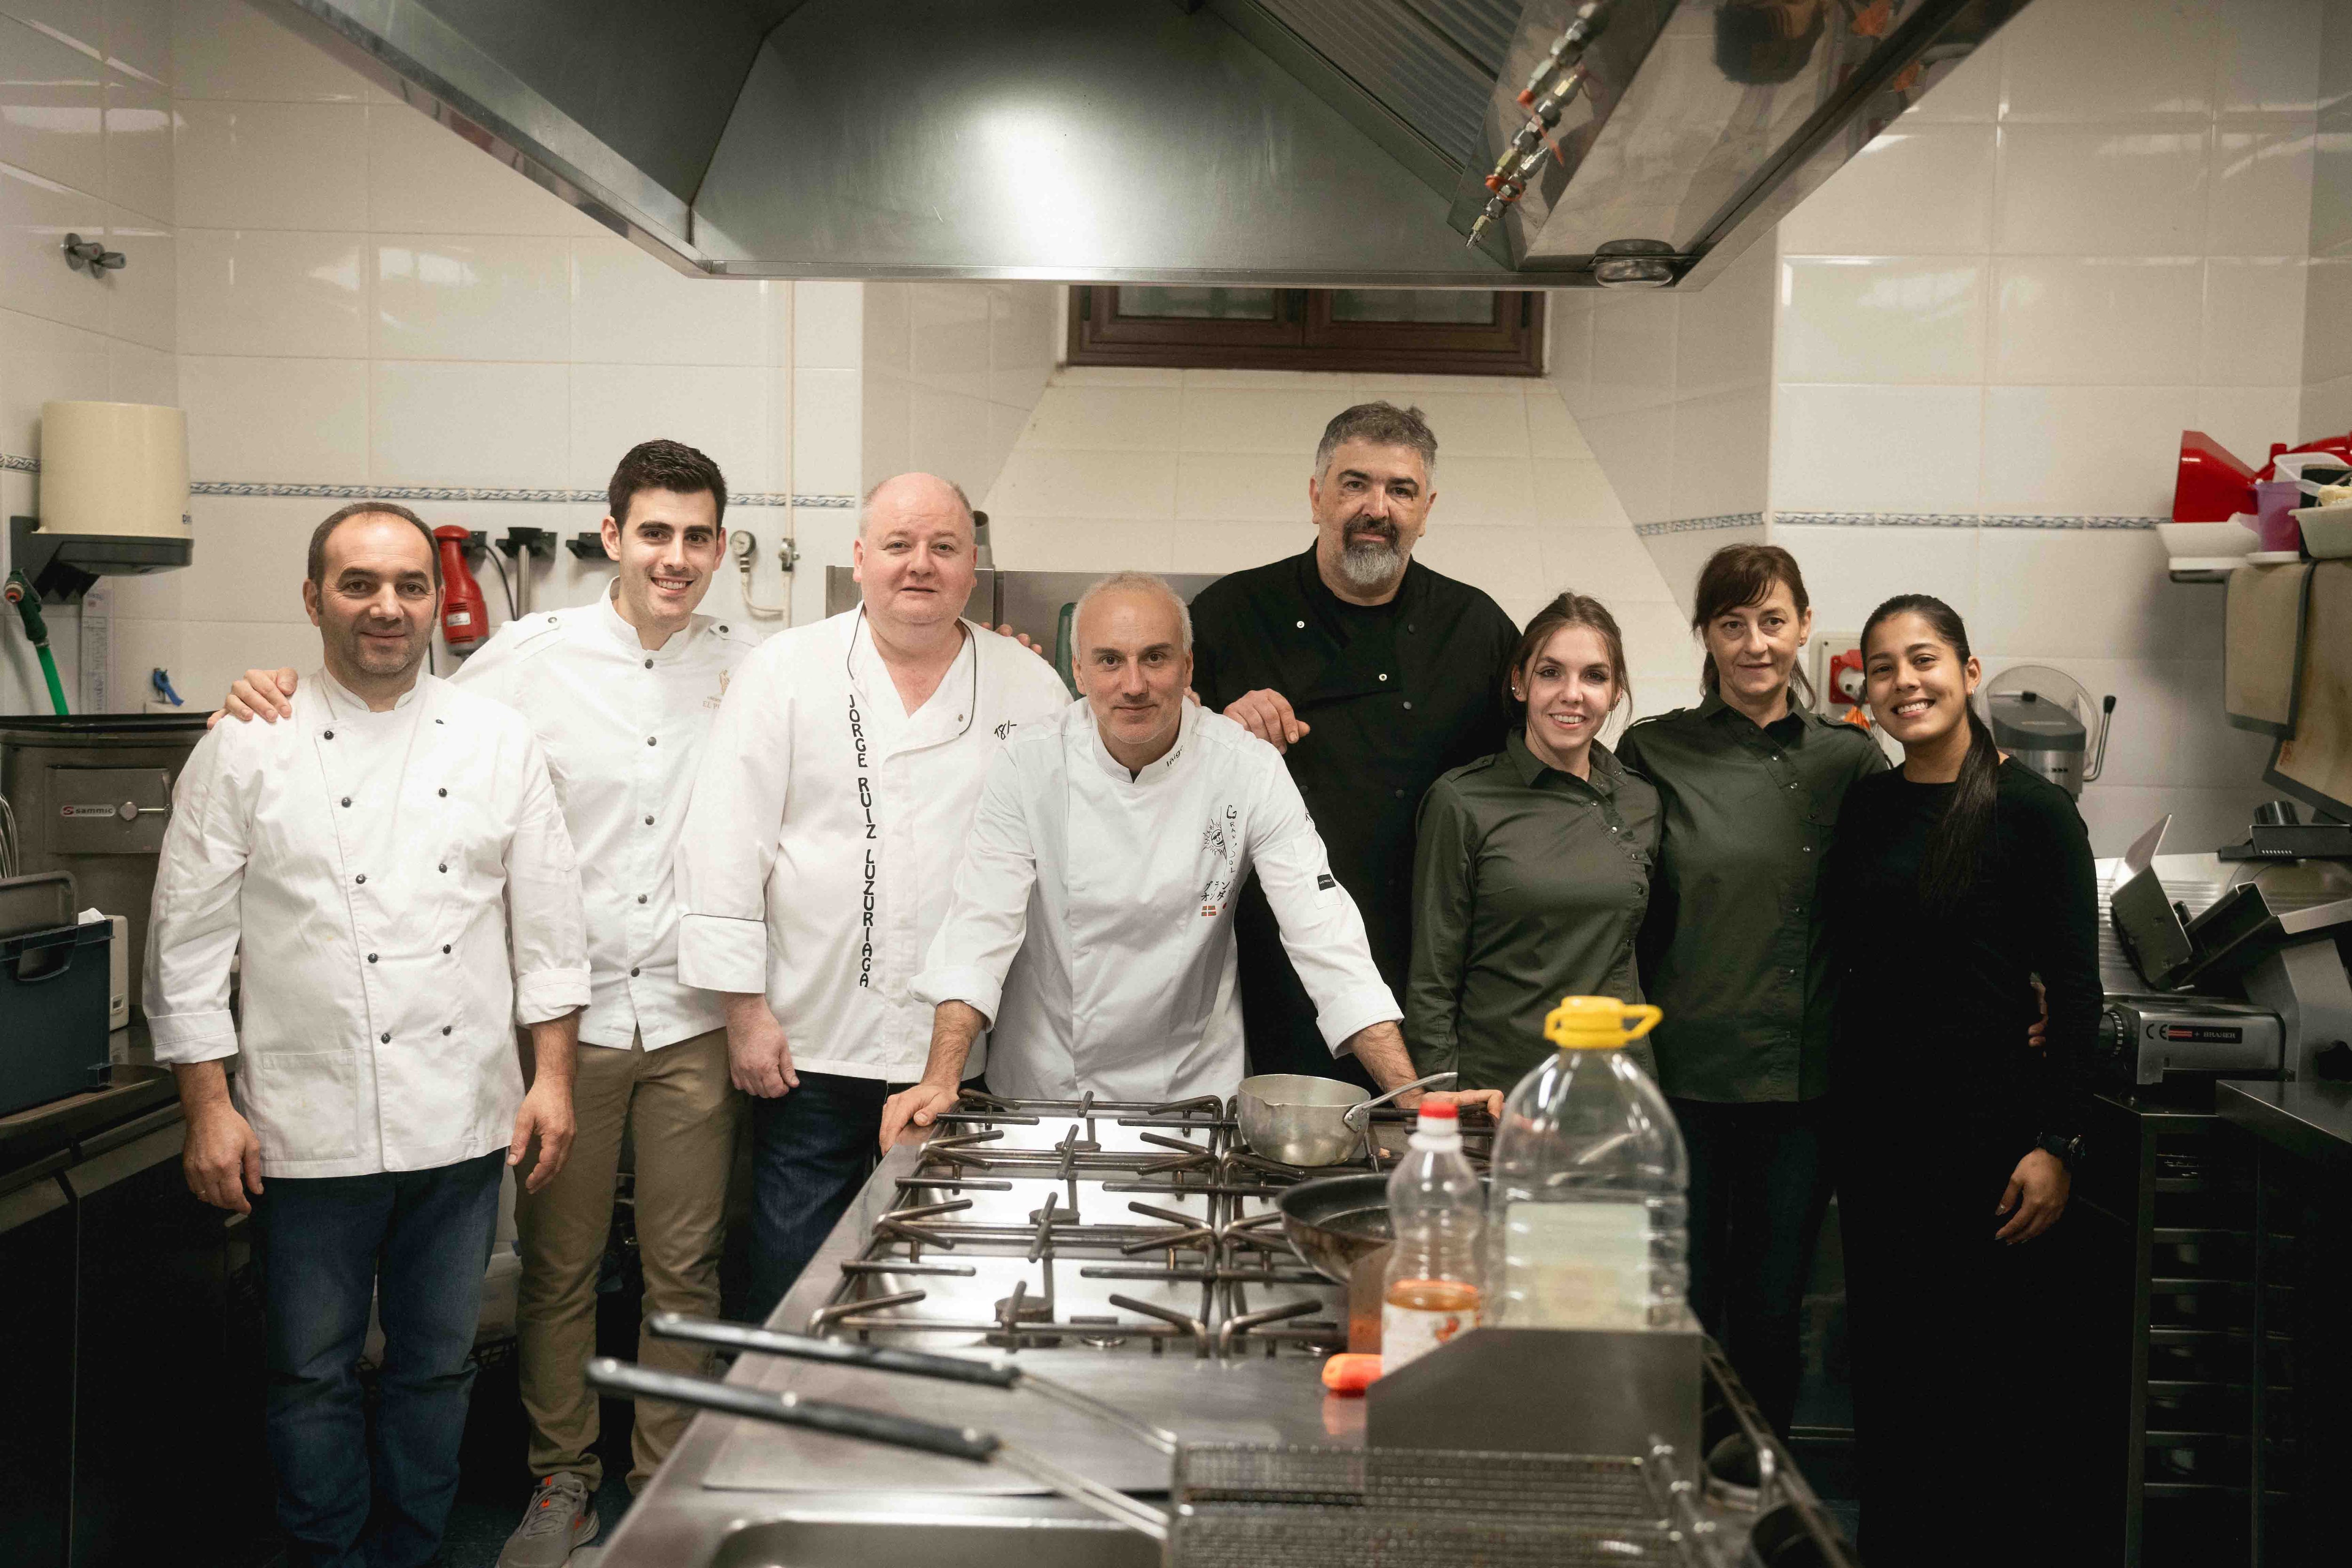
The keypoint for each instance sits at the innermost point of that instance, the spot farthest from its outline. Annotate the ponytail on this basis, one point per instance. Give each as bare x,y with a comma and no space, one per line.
1956,846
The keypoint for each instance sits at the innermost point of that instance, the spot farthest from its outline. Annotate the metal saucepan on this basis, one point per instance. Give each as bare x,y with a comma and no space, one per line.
1304,1120
1334,1221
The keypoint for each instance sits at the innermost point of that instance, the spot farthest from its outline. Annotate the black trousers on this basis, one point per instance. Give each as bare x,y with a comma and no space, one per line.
1759,1186
1970,1355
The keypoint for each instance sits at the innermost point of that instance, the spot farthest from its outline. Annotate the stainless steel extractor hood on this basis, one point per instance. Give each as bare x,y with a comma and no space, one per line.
1290,143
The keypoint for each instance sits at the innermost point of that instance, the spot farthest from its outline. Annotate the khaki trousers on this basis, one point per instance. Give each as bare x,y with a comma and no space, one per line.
681,1117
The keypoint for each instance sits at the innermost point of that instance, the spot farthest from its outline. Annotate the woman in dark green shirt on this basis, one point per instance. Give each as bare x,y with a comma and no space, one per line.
1736,953
1532,869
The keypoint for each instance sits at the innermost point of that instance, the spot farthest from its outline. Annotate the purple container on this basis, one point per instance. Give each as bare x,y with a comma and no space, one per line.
2274,524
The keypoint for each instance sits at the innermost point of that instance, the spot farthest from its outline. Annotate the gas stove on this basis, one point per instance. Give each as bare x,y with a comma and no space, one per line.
1117,1227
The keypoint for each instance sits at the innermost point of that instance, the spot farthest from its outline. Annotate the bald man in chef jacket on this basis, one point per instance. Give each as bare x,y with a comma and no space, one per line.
1105,854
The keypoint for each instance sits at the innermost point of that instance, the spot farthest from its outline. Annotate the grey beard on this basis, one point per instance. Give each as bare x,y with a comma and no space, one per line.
1370,563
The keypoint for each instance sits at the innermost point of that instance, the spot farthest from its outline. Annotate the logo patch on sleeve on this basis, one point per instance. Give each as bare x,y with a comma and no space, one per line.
1324,882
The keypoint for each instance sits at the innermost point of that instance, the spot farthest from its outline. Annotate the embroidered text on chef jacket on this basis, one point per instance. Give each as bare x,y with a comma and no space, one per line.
374,870
1117,893
623,727
826,823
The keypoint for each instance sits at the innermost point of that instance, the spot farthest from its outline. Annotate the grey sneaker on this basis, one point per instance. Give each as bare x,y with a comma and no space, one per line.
559,1519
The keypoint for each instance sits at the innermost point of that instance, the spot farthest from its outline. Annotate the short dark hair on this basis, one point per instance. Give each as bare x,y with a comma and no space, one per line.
664,466
1381,424
1570,609
336,519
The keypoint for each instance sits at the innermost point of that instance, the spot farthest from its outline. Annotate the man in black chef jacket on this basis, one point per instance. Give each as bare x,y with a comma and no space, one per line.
1372,676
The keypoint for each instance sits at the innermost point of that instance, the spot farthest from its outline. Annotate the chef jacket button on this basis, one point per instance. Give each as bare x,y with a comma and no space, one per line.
445,1028
360,877
347,800
633,972
445,947
1408,704
385,1037
330,734
441,792
649,664
641,897
1302,625
650,740
445,865
722,625
1384,675
649,821
1809,848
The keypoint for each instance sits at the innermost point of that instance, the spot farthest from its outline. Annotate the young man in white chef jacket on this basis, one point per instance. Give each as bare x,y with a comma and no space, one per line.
832,808
621,692
1105,856
392,868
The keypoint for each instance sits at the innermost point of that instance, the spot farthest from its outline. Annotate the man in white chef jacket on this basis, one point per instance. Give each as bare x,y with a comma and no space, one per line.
832,807
621,692
392,868
1105,856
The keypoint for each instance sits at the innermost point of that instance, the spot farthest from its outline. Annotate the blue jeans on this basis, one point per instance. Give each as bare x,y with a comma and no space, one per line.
810,1153
420,1241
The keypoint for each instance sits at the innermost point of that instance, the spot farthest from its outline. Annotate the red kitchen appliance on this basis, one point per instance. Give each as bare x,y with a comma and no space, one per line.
463,621
2212,485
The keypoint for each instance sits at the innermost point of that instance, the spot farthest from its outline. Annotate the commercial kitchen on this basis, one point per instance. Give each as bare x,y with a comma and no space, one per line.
958,343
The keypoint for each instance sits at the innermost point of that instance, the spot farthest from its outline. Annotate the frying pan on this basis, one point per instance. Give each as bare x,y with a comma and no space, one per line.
1333,1221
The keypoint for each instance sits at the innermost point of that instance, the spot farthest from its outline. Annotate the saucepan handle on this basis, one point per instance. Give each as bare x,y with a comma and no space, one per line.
836,1353
789,1410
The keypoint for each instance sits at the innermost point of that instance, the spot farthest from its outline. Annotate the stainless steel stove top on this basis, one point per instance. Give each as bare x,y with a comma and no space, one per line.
1127,1249
1112,1226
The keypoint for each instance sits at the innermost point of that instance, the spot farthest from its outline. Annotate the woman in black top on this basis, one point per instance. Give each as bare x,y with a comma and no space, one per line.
1956,881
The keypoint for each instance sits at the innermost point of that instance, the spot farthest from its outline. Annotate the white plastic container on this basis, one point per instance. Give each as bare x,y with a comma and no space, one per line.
1438,1208
1589,1213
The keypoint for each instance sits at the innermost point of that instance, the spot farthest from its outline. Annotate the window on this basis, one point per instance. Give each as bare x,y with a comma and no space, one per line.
1429,332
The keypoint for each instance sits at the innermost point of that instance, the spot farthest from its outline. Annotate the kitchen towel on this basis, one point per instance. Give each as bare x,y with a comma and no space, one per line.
2262,646
2316,764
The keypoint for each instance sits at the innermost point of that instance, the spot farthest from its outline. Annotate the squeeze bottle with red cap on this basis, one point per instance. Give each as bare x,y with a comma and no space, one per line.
1438,1208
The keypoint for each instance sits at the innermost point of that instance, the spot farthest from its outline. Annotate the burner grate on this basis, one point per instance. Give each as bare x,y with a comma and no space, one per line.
1020,1214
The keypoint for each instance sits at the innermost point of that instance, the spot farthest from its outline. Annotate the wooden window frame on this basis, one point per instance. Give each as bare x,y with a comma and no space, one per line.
1303,336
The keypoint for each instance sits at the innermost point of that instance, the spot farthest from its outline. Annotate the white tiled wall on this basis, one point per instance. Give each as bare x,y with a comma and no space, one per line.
1674,392
85,147
951,372
2089,237
2327,297
362,299
1192,470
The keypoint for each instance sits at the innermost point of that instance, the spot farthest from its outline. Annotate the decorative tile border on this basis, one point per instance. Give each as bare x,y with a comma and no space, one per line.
1701,524
1955,520
10,461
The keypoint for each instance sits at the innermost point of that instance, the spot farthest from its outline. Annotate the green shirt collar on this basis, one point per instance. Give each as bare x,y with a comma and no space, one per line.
1604,767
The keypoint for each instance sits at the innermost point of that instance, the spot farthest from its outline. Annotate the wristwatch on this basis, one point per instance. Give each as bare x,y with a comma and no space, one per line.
2066,1147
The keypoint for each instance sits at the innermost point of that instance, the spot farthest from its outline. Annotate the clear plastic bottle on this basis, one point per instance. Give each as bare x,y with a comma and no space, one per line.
1438,1207
1588,1215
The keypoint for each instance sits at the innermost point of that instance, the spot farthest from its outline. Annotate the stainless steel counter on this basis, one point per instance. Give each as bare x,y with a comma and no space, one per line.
736,1493
739,1492
2312,1120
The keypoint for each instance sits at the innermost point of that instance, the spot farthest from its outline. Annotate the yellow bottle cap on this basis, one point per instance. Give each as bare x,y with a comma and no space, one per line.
1598,1023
